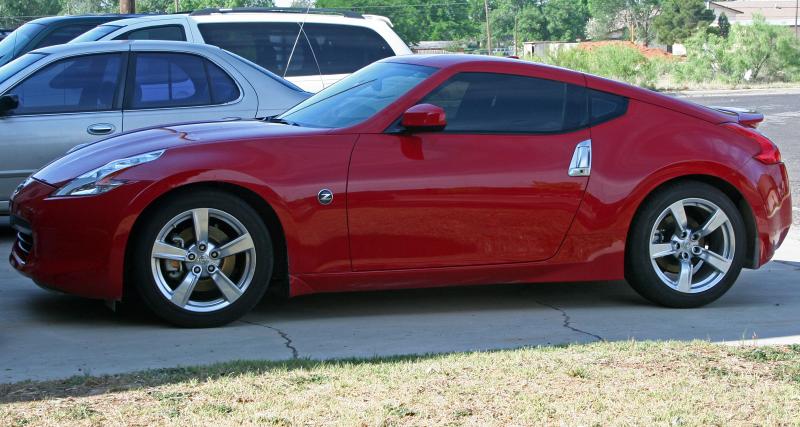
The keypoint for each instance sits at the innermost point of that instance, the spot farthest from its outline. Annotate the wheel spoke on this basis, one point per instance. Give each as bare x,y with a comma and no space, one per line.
679,213
659,250
717,219
182,293
715,260
200,219
685,276
239,244
165,251
228,288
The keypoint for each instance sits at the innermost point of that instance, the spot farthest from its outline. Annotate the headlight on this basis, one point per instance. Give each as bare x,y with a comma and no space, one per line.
102,179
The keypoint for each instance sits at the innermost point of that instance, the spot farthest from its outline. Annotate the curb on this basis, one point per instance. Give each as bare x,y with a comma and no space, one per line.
737,92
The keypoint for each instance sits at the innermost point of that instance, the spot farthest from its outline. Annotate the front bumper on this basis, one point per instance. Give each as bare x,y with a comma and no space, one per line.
73,244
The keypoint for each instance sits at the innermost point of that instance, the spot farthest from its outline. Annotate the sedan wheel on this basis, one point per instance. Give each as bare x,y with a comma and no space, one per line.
683,249
208,258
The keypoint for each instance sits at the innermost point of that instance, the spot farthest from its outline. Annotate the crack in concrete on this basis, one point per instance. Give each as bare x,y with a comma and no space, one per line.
286,338
568,321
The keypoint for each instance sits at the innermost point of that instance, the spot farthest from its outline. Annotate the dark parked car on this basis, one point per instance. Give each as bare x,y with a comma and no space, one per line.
48,31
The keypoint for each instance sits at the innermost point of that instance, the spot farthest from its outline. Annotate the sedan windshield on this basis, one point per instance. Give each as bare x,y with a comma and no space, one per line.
16,41
357,97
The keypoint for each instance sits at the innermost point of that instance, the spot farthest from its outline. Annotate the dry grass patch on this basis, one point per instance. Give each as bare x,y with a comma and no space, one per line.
604,383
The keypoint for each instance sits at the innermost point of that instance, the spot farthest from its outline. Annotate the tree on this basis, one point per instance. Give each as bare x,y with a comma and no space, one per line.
416,20
168,6
566,19
679,19
635,15
724,25
18,12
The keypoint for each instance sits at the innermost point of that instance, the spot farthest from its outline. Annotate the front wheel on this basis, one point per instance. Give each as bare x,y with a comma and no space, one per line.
203,259
687,246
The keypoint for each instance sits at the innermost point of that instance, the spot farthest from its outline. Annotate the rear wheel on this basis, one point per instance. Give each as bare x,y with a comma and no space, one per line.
203,259
686,247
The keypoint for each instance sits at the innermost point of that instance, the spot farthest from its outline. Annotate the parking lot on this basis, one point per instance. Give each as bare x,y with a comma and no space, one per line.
46,335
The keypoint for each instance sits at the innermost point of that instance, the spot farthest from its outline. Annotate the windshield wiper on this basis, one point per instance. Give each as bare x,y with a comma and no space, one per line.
275,119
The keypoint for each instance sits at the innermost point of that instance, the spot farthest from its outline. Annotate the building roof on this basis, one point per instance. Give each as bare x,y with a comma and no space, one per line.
713,4
772,10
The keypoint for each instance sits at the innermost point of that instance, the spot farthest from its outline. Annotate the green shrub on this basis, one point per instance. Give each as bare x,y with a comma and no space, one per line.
760,52
614,61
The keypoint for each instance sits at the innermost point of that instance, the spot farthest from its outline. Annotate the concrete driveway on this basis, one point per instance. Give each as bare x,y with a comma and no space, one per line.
45,335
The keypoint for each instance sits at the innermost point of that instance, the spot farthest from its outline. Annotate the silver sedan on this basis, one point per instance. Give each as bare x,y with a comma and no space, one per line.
56,98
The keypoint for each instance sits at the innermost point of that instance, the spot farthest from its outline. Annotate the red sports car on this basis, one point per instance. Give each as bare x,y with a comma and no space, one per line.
415,171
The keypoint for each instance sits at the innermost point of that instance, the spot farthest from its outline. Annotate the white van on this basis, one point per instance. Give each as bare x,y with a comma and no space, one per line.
312,48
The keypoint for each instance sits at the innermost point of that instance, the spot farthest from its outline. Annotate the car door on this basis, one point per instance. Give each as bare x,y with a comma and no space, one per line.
493,187
68,102
175,87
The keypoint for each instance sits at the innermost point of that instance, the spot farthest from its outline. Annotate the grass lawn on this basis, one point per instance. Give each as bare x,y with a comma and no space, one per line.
665,383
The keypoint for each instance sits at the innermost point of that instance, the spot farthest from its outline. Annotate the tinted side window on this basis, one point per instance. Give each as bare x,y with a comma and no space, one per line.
606,106
166,32
321,48
223,88
169,80
504,103
86,83
63,34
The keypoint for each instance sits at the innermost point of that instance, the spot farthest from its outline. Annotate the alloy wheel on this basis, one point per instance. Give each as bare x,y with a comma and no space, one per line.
692,245
203,260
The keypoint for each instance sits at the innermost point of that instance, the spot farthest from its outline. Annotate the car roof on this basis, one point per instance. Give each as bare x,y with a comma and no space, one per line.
266,15
81,18
124,45
457,60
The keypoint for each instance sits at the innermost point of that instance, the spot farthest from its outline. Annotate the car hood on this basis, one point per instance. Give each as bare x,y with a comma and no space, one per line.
130,144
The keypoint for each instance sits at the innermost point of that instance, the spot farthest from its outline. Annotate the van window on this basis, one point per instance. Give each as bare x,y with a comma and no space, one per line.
320,49
63,35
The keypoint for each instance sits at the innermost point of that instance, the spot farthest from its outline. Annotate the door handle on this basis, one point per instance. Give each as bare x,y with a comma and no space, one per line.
100,129
581,164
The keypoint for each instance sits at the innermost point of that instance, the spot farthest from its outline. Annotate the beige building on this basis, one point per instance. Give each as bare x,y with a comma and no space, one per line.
776,12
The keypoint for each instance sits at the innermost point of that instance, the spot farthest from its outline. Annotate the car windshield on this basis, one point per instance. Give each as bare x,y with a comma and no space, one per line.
358,96
11,45
95,33
18,65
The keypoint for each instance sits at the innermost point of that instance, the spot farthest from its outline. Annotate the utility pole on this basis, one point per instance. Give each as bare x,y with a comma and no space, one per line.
489,28
796,12
177,6
127,6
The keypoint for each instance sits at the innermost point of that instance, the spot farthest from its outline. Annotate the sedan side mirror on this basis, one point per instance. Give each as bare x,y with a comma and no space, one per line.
8,103
424,118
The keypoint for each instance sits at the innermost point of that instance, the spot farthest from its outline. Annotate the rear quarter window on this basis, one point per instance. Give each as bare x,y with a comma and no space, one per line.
605,106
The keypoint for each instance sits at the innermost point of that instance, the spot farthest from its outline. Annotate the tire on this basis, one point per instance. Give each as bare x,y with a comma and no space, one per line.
182,279
688,267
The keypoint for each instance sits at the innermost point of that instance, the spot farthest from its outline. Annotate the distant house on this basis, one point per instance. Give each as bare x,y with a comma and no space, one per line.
776,12
542,49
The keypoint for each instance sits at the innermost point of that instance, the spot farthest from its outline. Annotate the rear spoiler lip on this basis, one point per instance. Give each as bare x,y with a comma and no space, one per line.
744,117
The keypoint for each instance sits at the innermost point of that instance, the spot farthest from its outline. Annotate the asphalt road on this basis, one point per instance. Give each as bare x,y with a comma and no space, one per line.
44,335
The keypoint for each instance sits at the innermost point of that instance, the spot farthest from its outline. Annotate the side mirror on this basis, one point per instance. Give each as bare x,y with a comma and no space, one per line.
8,103
424,118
